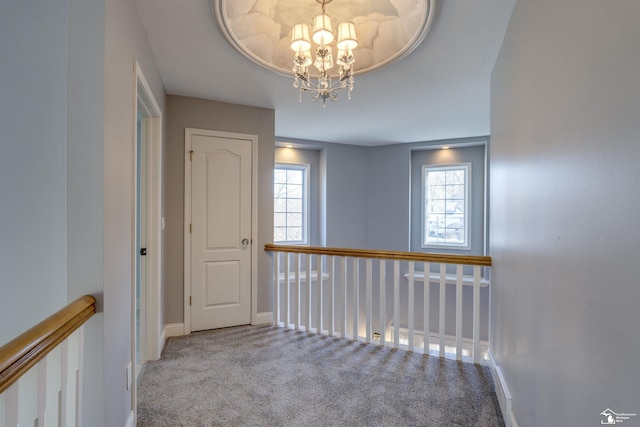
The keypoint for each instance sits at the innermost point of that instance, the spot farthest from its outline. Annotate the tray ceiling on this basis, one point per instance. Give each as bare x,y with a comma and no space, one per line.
387,30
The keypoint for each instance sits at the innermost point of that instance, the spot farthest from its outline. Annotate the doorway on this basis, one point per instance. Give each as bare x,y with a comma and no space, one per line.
142,143
147,245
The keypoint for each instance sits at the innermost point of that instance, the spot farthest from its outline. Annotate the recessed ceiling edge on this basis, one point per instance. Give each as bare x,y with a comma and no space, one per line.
428,14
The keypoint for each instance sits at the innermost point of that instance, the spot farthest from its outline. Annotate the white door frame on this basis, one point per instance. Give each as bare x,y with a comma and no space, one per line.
153,259
188,133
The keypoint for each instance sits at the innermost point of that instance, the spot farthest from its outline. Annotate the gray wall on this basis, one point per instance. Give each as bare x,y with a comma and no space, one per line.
565,99
51,169
343,186
389,193
366,203
388,203
345,203
184,112
125,41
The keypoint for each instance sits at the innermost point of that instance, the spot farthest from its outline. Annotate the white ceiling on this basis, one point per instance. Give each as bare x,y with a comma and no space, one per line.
440,91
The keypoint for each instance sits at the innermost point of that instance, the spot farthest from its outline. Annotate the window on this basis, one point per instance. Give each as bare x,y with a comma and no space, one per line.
445,215
290,192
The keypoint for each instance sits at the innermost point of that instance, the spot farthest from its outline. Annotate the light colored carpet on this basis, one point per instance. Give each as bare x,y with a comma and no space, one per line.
268,376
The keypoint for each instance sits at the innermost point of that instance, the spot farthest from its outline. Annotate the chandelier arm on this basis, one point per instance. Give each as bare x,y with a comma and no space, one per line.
310,84
340,84
306,80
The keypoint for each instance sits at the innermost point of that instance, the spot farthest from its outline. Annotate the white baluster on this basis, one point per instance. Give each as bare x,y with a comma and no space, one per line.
42,390
459,312
309,293
72,379
383,302
3,411
343,280
319,294
443,290
356,299
12,404
426,302
79,389
28,391
287,291
332,283
296,301
64,382
396,304
368,298
476,314
411,305
54,385
276,287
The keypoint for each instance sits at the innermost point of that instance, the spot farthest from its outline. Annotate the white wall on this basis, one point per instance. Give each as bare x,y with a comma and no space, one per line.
564,201
85,179
66,176
51,158
33,132
125,41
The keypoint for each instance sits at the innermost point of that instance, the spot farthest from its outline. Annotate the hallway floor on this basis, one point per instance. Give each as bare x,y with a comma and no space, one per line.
269,376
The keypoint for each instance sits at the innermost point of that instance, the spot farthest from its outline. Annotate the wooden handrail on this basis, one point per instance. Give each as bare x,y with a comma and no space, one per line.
23,352
392,255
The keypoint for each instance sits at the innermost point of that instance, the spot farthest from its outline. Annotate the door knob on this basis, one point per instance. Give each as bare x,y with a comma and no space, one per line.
245,242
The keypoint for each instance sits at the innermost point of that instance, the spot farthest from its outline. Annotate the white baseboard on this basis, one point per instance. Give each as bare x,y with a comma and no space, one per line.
502,391
263,318
173,330
512,420
163,338
131,420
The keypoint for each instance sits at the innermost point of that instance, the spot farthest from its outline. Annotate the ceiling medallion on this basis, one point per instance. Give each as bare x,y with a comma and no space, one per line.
372,34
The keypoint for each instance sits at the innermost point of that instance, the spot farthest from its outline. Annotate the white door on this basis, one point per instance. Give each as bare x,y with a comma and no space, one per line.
220,231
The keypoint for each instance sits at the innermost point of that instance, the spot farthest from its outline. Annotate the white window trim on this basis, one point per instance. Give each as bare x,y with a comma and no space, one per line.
306,204
467,207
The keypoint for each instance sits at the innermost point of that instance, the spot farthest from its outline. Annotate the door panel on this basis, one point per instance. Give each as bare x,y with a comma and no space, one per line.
223,206
221,279
221,220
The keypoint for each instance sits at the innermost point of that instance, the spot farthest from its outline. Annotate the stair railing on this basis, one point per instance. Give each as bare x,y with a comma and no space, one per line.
364,295
41,370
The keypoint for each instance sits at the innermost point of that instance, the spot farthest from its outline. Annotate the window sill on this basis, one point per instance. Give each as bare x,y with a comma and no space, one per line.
303,276
450,279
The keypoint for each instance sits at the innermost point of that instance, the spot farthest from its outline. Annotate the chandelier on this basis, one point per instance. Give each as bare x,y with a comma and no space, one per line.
323,86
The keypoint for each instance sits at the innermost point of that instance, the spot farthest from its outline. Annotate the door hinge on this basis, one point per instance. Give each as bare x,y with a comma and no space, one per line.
191,155
190,228
189,300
